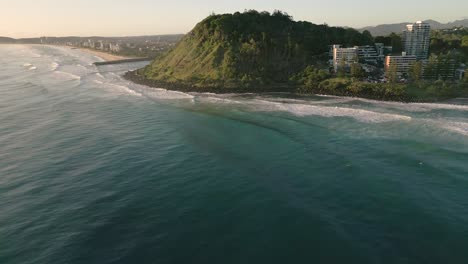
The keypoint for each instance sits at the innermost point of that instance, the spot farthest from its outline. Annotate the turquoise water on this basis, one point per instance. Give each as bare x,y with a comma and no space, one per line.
94,169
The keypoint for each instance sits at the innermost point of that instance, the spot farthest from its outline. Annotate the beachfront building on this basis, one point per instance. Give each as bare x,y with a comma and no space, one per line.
401,64
416,39
344,56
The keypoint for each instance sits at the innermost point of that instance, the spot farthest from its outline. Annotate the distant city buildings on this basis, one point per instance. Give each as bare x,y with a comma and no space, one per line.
416,40
114,47
140,46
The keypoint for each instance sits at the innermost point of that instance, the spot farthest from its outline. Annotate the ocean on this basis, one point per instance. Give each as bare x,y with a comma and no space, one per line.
95,169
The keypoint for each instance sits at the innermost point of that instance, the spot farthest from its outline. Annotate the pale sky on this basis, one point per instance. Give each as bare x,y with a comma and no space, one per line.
33,18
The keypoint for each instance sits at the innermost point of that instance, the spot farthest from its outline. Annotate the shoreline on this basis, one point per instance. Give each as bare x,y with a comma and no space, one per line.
134,77
107,57
187,88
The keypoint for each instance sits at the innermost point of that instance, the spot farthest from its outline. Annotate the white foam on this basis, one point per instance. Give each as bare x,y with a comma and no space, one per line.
443,106
67,74
336,100
29,66
458,127
328,111
123,89
417,107
54,66
158,93
210,99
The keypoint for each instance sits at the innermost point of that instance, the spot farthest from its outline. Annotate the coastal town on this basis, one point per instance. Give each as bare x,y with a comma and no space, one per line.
382,63
144,46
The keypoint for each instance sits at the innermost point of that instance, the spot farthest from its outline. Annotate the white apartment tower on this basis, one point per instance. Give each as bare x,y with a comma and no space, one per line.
417,39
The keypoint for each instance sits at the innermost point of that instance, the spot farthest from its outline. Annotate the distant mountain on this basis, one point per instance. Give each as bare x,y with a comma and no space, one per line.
7,40
386,29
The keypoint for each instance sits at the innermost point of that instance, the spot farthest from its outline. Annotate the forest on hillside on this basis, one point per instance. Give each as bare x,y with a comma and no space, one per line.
252,48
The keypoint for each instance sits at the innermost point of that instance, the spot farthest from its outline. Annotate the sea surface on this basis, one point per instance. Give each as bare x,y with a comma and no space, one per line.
95,169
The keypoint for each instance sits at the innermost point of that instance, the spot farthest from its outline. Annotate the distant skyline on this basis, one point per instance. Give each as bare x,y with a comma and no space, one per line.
25,18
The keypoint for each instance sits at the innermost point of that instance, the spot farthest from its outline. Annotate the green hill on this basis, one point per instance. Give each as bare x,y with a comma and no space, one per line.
245,50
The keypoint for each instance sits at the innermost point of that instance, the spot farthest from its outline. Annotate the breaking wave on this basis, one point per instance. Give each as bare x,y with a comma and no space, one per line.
158,93
328,111
67,74
54,66
458,127
416,107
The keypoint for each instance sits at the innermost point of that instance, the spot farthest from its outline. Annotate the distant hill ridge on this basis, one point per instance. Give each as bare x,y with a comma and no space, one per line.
7,40
386,29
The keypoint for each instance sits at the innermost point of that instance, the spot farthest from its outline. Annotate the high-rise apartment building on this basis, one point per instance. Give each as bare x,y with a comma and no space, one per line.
417,40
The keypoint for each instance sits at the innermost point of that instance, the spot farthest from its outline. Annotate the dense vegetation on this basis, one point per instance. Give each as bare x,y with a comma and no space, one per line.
249,49
454,42
315,81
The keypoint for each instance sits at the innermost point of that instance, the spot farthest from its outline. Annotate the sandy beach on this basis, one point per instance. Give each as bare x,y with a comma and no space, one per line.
104,55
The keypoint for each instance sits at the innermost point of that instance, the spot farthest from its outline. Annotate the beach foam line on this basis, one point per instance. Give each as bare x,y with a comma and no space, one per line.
214,99
334,100
458,127
328,111
123,89
443,106
451,125
416,107
159,93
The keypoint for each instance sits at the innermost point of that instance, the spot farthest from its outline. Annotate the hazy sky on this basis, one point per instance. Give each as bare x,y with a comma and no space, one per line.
32,18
